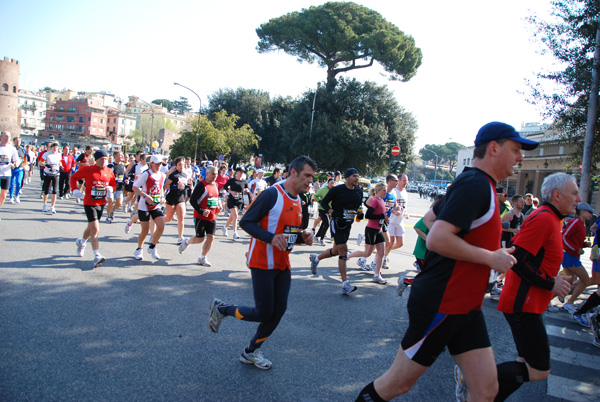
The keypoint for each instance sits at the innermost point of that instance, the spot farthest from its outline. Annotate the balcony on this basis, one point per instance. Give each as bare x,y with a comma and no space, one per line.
28,126
29,107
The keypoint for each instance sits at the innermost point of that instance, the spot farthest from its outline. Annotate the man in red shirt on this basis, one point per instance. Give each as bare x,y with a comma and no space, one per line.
67,163
97,178
206,203
533,282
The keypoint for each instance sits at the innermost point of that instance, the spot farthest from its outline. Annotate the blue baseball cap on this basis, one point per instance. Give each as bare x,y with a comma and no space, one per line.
496,131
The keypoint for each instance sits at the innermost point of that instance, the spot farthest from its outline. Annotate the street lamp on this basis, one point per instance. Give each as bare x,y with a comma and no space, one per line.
312,118
436,162
151,124
199,112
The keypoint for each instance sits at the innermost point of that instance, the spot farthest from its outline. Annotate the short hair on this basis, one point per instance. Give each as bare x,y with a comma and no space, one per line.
480,150
276,170
178,159
555,181
54,144
390,177
211,168
87,148
500,190
515,198
301,161
529,195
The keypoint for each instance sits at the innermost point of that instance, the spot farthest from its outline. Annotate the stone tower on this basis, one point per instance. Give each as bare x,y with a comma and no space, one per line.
9,96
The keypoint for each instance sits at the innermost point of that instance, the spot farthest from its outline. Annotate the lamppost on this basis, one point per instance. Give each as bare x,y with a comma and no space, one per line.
436,162
151,124
312,118
199,113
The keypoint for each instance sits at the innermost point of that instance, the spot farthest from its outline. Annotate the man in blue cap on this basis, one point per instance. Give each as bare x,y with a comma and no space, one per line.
444,305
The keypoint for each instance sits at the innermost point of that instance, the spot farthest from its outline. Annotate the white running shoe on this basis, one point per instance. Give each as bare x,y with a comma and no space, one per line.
67,196
322,242
347,288
11,200
154,253
236,236
99,260
570,308
313,263
183,246
128,227
45,208
180,240
257,359
80,247
18,199
138,254
215,317
52,210
362,263
360,239
379,279
224,229
204,262
78,201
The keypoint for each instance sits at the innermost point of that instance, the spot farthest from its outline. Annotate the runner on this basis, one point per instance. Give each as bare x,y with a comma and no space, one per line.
177,183
444,305
207,205
115,200
96,178
237,188
51,165
16,180
67,163
533,282
272,220
9,158
323,214
149,187
345,202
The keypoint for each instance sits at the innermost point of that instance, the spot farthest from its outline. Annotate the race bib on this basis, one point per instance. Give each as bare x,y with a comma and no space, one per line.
120,178
212,202
98,192
291,234
4,160
155,198
349,215
53,169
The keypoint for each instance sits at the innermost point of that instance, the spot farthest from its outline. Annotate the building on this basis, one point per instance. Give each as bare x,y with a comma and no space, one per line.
9,97
119,126
33,113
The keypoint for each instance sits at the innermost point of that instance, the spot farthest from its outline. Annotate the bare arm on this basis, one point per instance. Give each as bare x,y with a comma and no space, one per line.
444,240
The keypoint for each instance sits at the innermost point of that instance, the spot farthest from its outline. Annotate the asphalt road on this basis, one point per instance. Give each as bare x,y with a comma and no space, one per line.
137,330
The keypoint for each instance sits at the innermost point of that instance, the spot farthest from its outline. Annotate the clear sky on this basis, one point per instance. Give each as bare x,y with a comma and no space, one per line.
477,54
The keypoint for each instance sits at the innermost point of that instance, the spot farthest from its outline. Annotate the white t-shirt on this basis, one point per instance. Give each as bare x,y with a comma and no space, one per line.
401,200
156,191
258,185
8,155
52,167
139,169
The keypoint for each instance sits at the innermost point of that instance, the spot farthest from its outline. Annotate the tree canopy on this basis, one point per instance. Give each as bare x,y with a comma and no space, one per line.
570,38
164,103
182,105
342,36
446,153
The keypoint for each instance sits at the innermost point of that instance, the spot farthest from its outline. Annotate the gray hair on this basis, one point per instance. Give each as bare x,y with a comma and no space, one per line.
555,181
210,169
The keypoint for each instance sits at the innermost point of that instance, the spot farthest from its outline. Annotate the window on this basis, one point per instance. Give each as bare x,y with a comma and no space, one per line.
95,120
70,127
70,118
14,90
93,128
541,151
561,150
5,87
101,120
59,126
80,119
51,117
62,108
59,117
72,109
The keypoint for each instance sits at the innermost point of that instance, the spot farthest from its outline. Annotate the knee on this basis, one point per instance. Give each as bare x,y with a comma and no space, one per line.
586,281
537,375
484,391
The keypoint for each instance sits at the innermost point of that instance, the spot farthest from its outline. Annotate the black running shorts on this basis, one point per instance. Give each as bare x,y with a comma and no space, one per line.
531,339
340,230
4,183
429,333
145,215
373,236
93,212
204,227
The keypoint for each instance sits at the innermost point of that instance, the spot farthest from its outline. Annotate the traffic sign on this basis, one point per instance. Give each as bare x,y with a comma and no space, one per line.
396,150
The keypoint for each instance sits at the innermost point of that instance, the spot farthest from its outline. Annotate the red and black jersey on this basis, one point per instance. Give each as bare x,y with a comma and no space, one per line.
272,212
527,285
96,181
573,237
205,197
452,286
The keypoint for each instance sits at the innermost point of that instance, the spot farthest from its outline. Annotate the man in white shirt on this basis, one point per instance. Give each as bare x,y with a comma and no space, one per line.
259,184
396,227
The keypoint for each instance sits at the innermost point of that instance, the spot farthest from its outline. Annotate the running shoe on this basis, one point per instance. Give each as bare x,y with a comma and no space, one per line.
11,200
183,246
313,263
108,219
180,240
99,260
80,247
360,239
257,359
461,391
402,285
581,320
61,197
495,293
125,208
224,229
379,279
347,288
569,308
78,201
52,210
18,199
236,236
362,263
385,265
138,254
154,253
322,242
45,208
128,227
66,196
215,316
373,265
204,262
552,308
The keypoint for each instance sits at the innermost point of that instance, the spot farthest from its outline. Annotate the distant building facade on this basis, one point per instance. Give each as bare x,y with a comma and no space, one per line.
33,113
9,96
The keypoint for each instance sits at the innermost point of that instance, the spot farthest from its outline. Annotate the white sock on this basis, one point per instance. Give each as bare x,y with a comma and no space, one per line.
96,253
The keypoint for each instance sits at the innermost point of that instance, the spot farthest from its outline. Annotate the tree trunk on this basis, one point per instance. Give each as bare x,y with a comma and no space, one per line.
586,166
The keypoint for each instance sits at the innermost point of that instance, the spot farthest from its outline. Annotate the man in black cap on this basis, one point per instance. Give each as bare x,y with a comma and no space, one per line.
345,201
444,305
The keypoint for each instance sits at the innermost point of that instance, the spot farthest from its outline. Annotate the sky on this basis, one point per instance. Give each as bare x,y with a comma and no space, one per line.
477,55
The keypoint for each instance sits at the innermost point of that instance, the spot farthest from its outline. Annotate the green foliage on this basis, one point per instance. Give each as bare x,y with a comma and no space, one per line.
446,153
342,36
570,38
164,103
356,125
217,136
181,106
